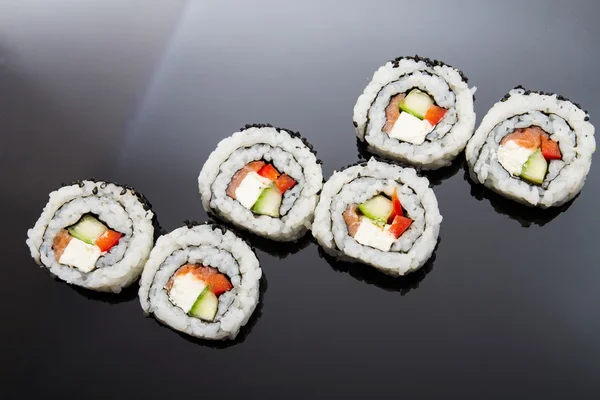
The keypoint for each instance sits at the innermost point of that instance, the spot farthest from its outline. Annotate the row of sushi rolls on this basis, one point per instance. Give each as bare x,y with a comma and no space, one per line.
416,114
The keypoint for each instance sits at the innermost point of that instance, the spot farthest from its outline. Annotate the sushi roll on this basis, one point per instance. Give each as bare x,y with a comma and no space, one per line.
201,280
533,147
417,111
94,234
378,214
265,180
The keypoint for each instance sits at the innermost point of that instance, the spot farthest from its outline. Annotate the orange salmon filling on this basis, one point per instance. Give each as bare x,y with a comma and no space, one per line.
529,138
60,243
534,137
216,281
392,112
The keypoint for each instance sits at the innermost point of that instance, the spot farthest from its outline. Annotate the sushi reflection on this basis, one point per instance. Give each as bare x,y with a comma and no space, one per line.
436,177
126,295
403,284
275,249
526,216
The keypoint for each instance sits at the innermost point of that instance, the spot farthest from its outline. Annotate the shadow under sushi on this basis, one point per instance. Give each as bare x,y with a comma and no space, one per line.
365,273
128,294
524,215
244,331
271,247
436,177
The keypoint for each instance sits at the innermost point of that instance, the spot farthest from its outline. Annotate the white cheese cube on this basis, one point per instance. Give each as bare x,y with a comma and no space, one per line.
80,255
411,129
512,157
185,291
250,189
369,234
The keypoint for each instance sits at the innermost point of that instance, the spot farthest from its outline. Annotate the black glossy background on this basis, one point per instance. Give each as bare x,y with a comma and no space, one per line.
141,91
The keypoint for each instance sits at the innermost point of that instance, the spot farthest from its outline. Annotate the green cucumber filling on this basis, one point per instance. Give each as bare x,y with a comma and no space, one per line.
535,168
87,229
378,222
80,245
378,209
260,187
416,103
269,202
411,116
526,153
196,288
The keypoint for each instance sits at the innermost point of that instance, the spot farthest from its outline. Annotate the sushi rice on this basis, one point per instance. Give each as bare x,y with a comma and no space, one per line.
209,245
121,208
288,154
445,85
565,123
356,184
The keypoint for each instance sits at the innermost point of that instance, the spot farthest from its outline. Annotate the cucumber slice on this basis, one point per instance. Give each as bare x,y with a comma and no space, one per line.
379,208
535,168
416,103
87,229
269,202
206,306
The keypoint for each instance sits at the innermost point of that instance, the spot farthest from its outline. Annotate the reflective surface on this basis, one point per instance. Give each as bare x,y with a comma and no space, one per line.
140,92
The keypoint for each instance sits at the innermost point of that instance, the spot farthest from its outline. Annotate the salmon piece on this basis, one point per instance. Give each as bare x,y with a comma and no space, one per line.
529,138
352,219
203,272
60,243
216,281
184,270
239,176
392,112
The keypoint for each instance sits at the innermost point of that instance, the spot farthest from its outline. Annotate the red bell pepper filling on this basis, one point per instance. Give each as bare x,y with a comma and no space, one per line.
269,172
550,149
108,240
435,114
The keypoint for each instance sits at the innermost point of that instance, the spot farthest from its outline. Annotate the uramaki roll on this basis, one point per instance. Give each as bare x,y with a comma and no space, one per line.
201,280
379,214
94,234
265,180
417,111
532,147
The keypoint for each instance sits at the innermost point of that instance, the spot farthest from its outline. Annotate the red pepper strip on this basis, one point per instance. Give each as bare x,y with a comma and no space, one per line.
285,183
269,172
400,225
397,206
550,149
108,240
435,114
